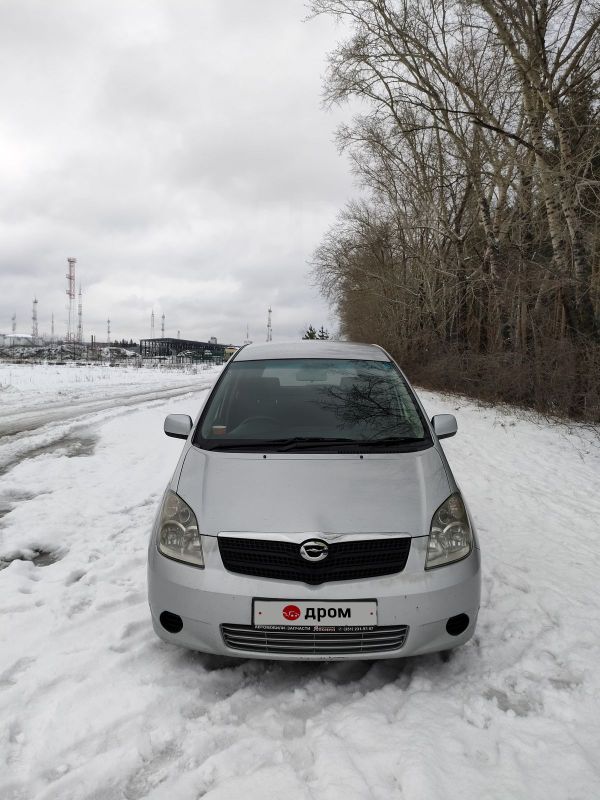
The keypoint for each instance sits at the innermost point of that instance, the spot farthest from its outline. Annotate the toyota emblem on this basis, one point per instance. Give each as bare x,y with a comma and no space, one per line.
314,550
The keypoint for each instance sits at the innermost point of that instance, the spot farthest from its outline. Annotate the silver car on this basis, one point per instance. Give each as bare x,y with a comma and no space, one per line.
313,515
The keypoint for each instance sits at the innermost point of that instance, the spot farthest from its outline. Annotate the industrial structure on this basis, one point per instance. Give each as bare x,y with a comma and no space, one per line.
71,345
80,318
34,321
164,348
71,295
269,328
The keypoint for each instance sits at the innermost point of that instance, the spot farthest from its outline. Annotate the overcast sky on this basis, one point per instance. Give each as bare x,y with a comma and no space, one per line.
179,150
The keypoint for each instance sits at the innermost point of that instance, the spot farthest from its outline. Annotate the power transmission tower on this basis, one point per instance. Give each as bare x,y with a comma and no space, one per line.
80,318
108,331
162,327
71,296
269,328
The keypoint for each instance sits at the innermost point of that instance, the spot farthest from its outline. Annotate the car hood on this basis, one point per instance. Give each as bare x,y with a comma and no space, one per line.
292,493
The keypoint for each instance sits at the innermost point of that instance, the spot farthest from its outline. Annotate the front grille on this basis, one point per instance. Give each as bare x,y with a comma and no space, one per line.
268,558
379,640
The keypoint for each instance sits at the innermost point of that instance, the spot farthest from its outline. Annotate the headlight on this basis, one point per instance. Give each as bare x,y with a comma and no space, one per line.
178,534
450,537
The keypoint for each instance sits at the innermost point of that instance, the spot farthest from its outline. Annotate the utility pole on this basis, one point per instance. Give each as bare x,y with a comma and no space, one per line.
13,320
269,328
52,330
108,331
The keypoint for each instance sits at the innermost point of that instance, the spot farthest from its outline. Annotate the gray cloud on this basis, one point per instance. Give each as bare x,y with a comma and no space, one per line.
178,150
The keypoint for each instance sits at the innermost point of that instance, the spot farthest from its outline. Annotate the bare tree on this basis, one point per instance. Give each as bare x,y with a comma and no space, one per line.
480,148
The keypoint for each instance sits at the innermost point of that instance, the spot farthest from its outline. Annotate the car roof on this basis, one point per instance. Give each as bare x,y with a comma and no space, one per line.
310,348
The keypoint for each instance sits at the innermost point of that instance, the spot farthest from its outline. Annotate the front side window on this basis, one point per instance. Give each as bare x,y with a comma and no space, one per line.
294,403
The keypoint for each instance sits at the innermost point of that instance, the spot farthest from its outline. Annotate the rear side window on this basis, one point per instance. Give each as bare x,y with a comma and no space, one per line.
273,401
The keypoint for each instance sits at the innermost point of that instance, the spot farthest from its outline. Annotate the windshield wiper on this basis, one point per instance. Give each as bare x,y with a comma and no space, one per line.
391,441
238,445
355,445
278,445
302,442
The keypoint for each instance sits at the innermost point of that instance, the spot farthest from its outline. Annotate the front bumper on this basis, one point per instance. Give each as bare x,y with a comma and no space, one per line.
207,598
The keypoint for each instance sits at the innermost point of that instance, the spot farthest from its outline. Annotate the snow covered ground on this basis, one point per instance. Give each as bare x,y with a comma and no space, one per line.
39,384
93,705
40,404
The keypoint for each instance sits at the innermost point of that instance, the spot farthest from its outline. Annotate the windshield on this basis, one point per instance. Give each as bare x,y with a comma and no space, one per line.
298,403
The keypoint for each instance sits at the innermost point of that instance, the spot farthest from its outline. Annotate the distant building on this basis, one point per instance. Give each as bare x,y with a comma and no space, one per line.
16,340
161,348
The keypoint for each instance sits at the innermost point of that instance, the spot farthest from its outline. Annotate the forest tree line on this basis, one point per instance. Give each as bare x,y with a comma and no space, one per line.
474,253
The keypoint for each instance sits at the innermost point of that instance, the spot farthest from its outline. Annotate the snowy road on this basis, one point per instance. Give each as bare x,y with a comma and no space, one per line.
28,420
54,409
92,705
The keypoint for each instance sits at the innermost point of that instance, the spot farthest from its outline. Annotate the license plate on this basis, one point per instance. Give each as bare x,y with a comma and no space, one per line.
315,614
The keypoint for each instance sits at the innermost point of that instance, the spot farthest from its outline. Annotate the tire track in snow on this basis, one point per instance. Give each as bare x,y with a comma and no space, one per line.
31,420
72,439
63,428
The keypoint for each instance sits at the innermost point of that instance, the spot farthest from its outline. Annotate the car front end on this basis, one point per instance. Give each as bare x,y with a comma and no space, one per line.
313,547
376,593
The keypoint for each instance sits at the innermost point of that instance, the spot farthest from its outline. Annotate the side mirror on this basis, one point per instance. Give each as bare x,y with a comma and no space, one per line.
178,426
444,425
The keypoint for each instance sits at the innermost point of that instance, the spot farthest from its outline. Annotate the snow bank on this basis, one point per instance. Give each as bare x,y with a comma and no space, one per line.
92,705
